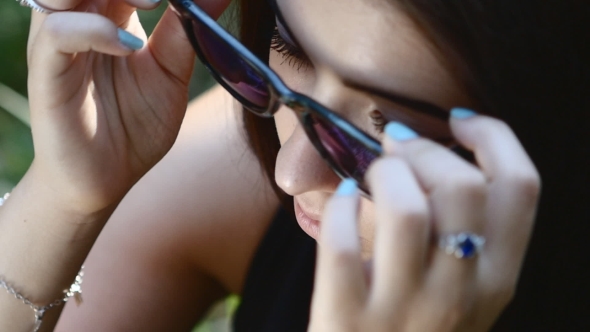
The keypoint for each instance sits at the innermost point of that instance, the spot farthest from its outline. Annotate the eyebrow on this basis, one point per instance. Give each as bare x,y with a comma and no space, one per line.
418,105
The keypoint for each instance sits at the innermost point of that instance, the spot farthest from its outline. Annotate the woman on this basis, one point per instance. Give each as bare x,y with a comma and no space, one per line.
187,230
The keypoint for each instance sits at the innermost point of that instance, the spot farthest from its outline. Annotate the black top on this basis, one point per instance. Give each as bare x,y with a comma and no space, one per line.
278,288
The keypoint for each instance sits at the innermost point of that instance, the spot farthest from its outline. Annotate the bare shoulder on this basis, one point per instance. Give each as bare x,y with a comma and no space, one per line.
236,201
184,235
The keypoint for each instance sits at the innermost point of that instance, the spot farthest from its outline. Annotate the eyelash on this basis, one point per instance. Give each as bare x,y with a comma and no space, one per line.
378,120
297,59
290,53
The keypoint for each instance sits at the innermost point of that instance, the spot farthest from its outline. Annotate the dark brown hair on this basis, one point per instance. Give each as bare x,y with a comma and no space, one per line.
257,24
526,62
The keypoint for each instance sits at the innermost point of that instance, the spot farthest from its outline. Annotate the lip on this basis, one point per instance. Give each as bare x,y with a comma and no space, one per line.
309,225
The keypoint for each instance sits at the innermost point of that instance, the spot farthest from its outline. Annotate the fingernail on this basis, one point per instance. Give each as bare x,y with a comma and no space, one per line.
346,188
462,113
399,131
155,1
129,40
339,228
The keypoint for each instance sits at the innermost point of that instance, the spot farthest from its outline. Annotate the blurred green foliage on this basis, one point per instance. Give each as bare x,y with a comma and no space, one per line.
16,150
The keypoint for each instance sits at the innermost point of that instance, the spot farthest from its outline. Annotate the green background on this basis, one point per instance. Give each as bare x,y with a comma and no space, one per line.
16,147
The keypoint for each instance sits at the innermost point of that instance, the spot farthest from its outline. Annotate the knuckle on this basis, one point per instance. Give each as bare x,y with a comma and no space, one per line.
527,183
382,165
53,28
497,125
422,150
472,184
381,170
410,221
409,216
530,183
501,297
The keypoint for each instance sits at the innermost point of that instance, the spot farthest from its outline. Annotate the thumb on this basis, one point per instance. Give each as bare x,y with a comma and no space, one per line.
170,45
340,286
58,53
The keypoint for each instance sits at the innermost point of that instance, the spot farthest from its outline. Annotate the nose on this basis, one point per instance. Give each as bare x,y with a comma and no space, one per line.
300,168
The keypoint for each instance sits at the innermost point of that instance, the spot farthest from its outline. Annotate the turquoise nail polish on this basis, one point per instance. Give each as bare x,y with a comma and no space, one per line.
399,131
462,113
155,1
346,188
129,40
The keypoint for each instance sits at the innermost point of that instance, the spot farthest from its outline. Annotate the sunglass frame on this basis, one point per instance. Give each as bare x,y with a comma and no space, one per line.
279,92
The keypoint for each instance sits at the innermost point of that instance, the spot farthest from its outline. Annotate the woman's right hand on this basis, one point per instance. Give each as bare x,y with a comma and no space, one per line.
426,198
103,114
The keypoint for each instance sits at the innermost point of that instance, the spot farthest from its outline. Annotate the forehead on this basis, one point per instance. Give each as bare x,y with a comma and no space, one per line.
372,42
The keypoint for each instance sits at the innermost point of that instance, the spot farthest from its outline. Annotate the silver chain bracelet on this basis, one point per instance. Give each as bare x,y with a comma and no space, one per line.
3,199
75,291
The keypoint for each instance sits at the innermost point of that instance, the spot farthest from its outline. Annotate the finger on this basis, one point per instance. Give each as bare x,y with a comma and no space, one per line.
340,286
118,11
457,194
64,38
38,18
456,188
57,5
496,147
170,45
78,5
514,184
143,4
402,231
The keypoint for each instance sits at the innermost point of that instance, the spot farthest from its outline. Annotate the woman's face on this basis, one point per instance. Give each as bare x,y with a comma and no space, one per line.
343,43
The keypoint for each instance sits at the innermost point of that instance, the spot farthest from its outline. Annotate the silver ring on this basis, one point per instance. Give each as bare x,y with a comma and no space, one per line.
36,7
462,245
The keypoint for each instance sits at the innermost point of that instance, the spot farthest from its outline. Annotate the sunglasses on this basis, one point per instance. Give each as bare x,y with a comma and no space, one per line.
347,149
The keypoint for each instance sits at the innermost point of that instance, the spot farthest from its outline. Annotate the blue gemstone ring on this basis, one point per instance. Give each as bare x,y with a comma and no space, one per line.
462,245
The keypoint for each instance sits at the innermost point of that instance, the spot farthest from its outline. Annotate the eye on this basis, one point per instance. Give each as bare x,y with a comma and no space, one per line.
290,52
378,120
432,129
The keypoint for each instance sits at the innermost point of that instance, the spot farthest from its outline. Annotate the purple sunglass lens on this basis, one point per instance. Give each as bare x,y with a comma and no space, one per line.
351,157
234,70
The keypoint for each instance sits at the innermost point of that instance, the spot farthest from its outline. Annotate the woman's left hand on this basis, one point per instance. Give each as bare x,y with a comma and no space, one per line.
422,191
